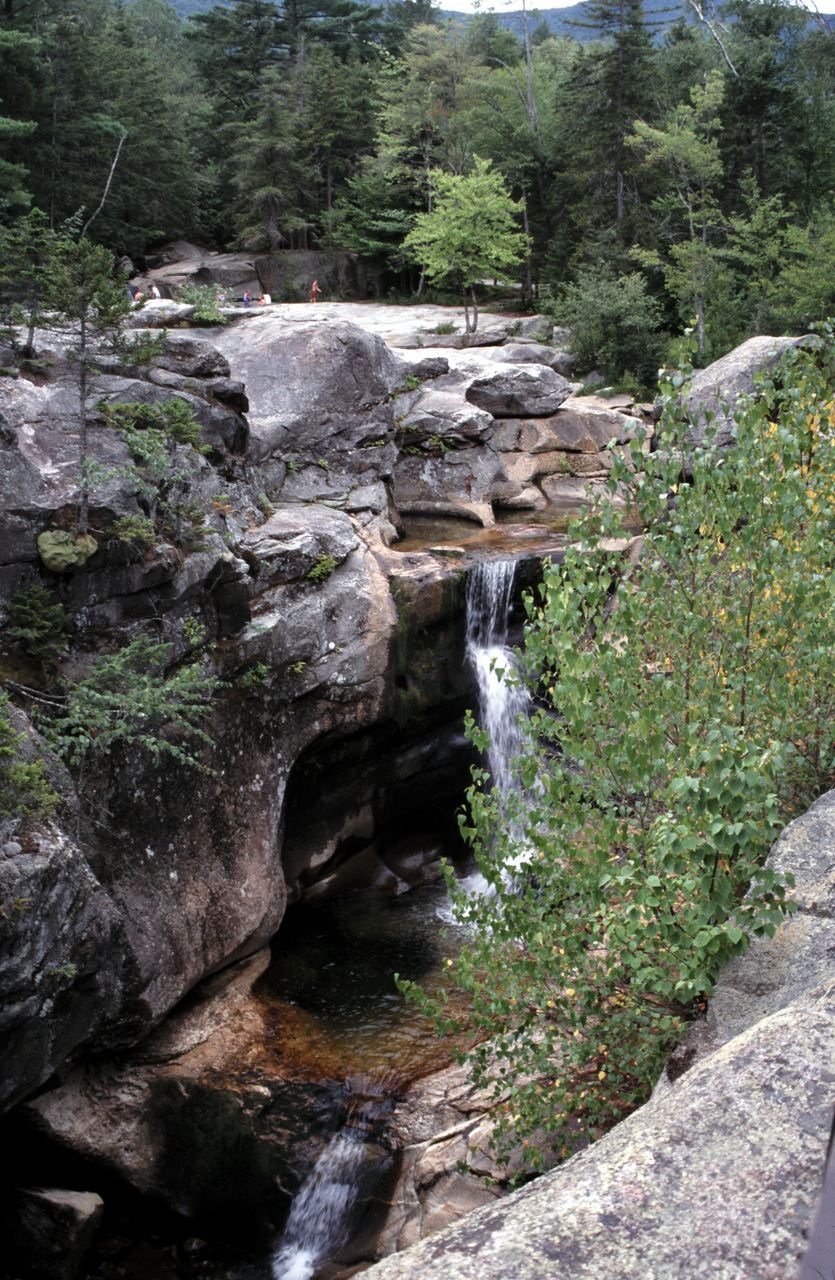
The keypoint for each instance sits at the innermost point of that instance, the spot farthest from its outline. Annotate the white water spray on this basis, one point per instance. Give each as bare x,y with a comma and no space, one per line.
322,1214
318,1223
503,699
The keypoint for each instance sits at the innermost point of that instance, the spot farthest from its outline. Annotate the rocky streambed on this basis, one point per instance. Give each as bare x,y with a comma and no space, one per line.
144,1028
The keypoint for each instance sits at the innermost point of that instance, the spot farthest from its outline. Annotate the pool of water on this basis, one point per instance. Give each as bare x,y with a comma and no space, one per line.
429,533
334,1009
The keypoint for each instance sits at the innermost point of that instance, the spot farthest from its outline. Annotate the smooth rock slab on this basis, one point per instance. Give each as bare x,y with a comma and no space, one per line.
717,1180
519,391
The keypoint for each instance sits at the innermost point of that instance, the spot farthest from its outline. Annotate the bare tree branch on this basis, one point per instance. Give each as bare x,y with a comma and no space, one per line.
107,185
711,26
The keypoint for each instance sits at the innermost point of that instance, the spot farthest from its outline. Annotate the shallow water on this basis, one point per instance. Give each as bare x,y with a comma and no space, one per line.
425,533
333,1005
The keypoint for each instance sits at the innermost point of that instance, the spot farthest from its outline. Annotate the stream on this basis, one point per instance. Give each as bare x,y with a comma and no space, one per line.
335,967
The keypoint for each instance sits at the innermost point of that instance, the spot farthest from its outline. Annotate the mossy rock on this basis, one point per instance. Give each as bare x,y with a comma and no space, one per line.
62,551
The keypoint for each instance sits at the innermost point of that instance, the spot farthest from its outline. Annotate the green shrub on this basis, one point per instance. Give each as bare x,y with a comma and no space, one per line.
685,708
128,699
138,530
615,326
255,677
204,300
24,788
37,624
322,568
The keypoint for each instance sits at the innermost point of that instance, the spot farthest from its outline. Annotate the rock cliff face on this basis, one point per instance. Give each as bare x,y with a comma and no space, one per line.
310,432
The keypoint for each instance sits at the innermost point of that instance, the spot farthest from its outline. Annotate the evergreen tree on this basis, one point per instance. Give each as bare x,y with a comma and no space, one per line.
613,87
17,54
27,256
688,149
89,302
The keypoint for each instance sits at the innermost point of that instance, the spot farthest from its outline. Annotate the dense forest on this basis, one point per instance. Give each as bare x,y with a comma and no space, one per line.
661,179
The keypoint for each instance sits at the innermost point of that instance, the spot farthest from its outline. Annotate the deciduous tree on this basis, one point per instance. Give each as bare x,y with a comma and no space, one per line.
470,233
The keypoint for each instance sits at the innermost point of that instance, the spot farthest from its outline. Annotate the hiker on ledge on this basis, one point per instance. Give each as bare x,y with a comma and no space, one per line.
314,289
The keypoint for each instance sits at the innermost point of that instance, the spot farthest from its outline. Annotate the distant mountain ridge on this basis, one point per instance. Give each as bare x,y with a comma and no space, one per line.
570,21
561,22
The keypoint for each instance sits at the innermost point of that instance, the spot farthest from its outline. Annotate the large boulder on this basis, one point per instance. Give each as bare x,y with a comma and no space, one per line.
716,389
48,1232
739,1144
320,394
580,425
445,414
468,479
512,390
223,429
519,391
191,356
63,946
290,545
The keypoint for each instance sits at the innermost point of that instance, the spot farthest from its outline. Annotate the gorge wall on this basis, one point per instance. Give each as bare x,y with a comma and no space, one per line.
344,684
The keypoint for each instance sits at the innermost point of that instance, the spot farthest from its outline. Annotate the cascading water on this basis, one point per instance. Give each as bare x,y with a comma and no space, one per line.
316,1226
321,1214
502,699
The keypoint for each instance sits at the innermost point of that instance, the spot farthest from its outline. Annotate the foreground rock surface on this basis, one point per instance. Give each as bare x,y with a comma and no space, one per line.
718,1176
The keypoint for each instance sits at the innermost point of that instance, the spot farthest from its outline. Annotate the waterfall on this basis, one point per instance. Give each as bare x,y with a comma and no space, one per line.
502,700
321,1215
322,1212
317,1226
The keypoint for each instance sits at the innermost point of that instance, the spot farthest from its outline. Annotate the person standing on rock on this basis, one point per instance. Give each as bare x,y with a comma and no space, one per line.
314,289
247,298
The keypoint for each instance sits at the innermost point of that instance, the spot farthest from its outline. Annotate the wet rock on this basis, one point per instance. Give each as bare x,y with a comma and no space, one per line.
49,1232
201,1115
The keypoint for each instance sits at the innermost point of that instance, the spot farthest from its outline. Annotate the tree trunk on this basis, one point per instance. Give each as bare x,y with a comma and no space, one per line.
471,328
527,285
82,395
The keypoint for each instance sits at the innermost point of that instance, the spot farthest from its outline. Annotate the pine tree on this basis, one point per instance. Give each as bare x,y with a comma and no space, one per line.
89,302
